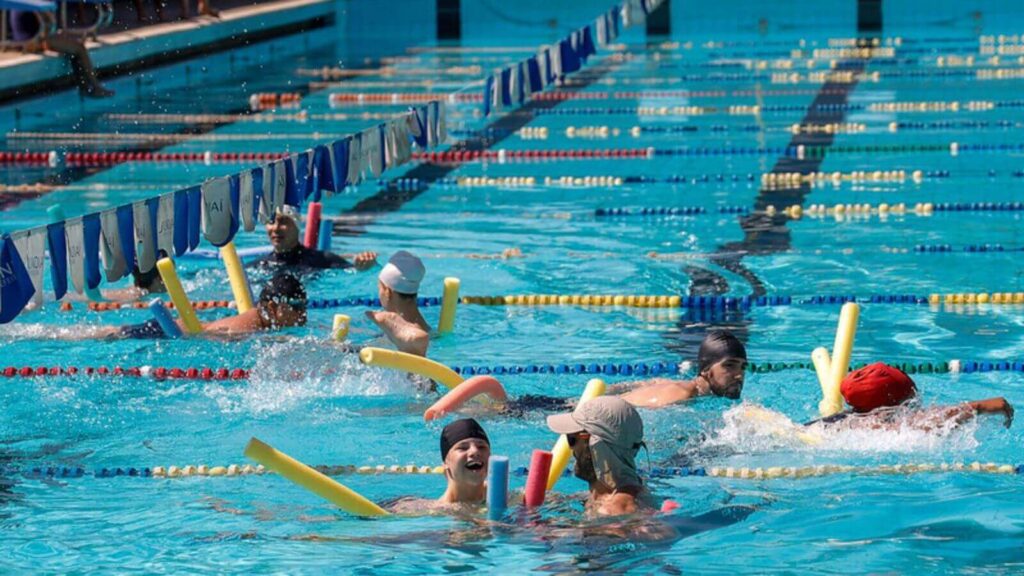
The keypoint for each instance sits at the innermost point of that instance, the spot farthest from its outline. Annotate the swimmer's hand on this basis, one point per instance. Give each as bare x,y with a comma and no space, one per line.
994,406
364,260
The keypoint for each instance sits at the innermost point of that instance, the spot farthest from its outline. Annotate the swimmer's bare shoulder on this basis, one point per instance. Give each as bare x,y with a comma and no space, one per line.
415,506
660,392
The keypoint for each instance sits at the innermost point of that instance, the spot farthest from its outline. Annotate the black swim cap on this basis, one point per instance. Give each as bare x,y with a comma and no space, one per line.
717,346
283,288
458,431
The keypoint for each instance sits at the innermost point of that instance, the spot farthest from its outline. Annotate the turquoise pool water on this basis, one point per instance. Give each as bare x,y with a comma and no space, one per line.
323,406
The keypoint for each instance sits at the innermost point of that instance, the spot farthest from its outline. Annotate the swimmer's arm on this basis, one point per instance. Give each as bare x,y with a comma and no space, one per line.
361,261
407,336
962,413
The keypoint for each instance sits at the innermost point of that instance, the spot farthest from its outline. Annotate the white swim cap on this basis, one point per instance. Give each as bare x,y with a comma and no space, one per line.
403,273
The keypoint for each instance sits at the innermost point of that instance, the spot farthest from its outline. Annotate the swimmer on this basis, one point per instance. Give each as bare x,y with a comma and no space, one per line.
882,396
506,254
398,284
282,304
722,361
465,452
605,435
283,233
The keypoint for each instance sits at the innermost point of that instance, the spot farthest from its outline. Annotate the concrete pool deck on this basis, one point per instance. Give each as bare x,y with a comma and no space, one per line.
116,53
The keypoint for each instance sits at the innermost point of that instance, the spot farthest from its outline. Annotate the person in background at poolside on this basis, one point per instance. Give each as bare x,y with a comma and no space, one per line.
283,233
398,285
882,396
26,26
465,452
605,435
282,304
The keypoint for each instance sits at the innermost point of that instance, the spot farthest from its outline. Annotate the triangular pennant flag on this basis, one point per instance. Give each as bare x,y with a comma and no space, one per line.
218,222
16,287
91,238
114,265
246,205
76,252
31,245
56,243
182,222
144,237
195,216
126,231
165,223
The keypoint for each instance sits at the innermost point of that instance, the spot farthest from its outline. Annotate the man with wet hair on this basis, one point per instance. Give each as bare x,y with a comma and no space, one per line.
605,435
283,233
721,365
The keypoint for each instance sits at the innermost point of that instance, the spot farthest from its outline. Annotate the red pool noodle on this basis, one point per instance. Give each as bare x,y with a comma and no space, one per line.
463,393
312,225
537,481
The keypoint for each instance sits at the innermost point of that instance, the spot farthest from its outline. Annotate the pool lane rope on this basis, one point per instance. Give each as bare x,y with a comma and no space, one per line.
92,159
613,302
731,472
607,368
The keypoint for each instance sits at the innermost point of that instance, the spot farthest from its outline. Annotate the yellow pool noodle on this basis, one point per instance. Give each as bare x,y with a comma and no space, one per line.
841,350
560,453
335,492
822,367
170,277
339,331
449,301
410,363
236,275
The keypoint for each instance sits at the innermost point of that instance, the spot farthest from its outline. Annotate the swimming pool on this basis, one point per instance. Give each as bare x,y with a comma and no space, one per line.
323,406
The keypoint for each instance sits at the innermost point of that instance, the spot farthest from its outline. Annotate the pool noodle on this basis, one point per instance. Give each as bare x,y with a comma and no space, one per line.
170,277
497,487
335,492
312,225
164,319
560,453
237,277
323,242
464,392
339,330
449,302
841,350
410,363
537,481
823,369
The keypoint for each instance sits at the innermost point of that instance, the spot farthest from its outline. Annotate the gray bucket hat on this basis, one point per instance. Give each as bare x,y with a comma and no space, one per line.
616,434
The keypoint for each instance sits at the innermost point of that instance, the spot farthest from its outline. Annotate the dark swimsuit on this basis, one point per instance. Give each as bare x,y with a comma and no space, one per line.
147,330
302,257
536,403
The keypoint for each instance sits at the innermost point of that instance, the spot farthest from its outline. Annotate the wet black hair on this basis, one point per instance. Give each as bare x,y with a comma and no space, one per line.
458,431
717,346
283,288
145,280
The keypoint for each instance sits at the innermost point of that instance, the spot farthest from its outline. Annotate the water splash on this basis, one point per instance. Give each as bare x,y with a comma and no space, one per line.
292,374
753,429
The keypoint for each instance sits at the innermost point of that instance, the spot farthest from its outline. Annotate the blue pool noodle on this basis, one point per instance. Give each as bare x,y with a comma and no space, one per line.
497,487
323,240
163,317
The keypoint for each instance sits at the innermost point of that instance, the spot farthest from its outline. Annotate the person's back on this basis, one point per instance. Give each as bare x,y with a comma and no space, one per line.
398,286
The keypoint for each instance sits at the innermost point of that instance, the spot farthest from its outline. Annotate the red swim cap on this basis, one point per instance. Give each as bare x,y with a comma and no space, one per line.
875,386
